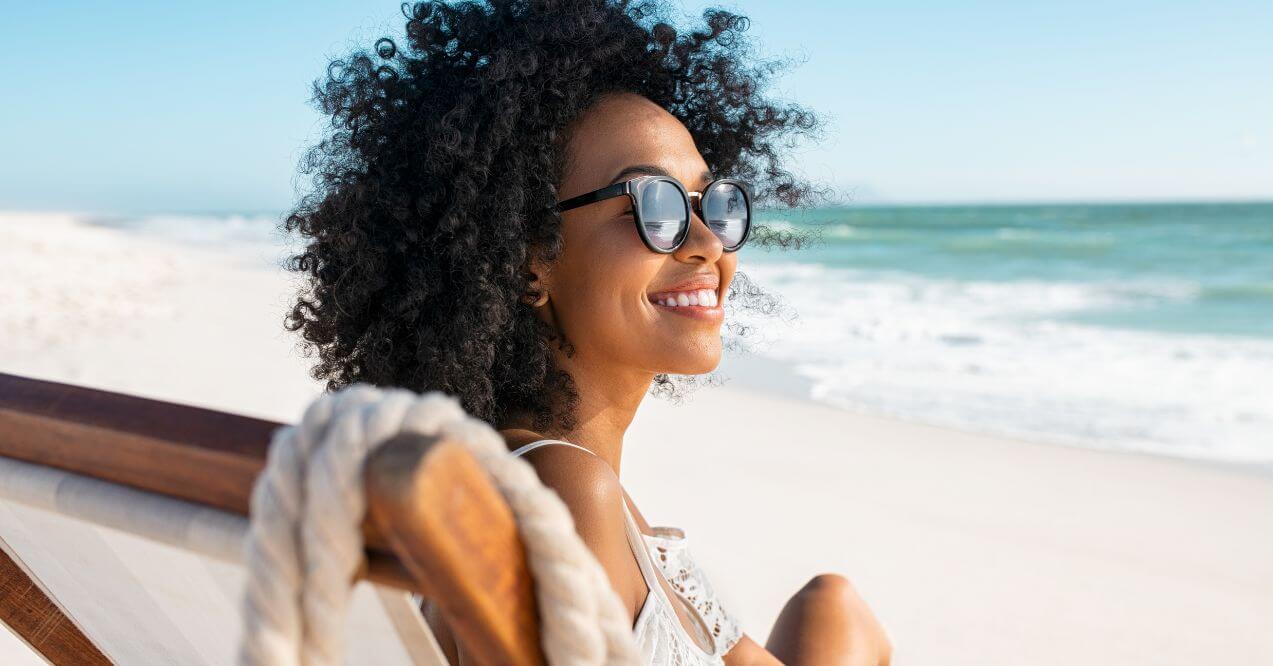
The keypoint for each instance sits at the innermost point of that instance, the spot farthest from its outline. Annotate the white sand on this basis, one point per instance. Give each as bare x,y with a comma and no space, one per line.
972,549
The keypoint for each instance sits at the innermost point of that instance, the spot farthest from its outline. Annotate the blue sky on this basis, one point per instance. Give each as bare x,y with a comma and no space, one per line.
175,106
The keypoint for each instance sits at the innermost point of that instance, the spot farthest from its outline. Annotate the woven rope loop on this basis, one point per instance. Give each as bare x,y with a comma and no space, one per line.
305,544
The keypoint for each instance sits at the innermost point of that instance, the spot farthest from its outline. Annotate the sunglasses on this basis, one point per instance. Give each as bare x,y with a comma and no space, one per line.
661,209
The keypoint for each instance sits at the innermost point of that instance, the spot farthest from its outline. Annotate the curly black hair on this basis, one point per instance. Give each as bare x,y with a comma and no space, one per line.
433,186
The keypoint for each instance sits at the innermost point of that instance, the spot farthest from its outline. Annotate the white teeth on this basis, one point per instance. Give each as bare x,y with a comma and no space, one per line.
703,297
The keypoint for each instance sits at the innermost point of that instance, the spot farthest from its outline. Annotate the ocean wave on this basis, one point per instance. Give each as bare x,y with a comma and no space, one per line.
225,228
1006,357
255,237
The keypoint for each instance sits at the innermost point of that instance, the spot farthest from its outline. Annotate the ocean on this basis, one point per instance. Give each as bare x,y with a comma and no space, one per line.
1140,327
1133,327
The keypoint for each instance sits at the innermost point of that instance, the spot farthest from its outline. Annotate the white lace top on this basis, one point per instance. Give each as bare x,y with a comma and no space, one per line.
658,630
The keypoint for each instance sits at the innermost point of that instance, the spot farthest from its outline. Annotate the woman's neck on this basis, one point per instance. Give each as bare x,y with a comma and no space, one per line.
608,401
607,405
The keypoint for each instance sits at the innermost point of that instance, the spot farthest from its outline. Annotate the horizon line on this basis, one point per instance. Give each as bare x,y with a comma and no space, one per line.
870,203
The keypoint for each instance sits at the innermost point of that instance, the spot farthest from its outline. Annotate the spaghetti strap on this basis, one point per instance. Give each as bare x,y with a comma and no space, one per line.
639,551
650,572
527,448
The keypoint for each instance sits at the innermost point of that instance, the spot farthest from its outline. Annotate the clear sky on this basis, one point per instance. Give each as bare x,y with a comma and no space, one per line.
136,106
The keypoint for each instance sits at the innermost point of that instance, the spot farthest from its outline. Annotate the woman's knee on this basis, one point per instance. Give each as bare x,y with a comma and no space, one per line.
827,621
832,589
837,601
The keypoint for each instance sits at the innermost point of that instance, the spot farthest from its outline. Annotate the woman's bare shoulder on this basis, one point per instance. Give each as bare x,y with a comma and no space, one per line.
585,482
591,491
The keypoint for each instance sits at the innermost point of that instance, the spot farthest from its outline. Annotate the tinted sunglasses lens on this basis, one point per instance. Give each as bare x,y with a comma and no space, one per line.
664,215
725,212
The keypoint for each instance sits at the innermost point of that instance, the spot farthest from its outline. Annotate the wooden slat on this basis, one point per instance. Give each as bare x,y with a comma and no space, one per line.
190,453
453,531
39,622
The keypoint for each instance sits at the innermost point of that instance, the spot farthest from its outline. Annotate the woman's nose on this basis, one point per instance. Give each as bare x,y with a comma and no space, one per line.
702,246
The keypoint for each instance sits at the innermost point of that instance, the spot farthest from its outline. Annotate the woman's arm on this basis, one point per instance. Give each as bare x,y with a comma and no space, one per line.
591,491
747,652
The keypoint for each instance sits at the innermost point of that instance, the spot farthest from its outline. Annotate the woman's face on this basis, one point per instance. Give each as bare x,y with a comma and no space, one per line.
606,289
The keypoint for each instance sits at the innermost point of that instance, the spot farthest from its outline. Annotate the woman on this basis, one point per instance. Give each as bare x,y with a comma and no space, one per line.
527,208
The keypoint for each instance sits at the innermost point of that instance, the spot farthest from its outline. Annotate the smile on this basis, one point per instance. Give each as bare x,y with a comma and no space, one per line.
700,298
700,304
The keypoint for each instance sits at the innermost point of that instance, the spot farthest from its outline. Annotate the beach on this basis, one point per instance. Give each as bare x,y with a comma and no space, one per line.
972,548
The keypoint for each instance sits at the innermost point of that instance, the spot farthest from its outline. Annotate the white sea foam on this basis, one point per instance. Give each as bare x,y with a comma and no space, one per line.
254,238
1002,357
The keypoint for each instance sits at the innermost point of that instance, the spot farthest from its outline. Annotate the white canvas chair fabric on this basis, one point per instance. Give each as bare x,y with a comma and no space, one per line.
153,580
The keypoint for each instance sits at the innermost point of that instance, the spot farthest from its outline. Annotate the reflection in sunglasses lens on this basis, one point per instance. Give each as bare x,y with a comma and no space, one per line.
664,214
725,212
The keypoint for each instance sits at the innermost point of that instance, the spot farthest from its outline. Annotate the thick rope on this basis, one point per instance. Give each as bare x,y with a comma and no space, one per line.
305,545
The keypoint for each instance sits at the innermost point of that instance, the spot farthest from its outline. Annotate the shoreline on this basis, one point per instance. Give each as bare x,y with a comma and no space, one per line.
759,374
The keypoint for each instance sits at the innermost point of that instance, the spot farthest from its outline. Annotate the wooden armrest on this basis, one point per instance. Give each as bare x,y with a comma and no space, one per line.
452,530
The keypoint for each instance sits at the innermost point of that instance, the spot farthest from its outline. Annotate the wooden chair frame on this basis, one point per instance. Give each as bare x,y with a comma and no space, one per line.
436,525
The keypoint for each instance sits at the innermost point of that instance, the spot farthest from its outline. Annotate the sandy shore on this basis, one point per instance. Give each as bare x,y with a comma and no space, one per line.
972,549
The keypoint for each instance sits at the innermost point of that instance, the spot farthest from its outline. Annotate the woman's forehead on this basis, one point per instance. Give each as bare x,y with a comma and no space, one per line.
622,131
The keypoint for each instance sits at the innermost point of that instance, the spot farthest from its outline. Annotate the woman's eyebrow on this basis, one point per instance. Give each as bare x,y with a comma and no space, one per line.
639,170
651,170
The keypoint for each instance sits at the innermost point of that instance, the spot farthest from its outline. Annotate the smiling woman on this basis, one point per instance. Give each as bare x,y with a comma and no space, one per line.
536,208
437,184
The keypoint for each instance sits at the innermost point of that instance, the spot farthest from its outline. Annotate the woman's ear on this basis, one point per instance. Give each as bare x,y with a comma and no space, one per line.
537,288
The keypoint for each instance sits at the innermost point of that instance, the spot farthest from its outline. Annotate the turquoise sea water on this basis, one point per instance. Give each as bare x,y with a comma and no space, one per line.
1200,268
1130,327
1135,327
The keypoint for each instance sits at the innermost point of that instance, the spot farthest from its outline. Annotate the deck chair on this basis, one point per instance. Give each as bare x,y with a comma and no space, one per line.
122,520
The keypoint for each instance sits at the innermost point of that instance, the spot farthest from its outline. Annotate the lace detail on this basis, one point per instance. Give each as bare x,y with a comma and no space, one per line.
669,548
662,640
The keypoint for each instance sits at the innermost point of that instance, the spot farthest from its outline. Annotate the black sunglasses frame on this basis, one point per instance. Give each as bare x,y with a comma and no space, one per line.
635,187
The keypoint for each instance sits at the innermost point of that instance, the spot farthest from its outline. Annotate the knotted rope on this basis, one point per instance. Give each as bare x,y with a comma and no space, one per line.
305,544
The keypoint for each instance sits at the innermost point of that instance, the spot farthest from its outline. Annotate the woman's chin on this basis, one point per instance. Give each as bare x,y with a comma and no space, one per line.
698,364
